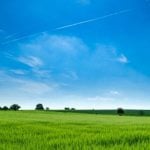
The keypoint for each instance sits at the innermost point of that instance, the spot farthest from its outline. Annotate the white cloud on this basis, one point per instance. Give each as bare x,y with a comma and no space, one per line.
18,71
59,53
100,99
41,73
60,47
104,56
30,61
11,36
33,87
54,52
66,44
57,48
114,93
122,59
71,75
24,87
107,53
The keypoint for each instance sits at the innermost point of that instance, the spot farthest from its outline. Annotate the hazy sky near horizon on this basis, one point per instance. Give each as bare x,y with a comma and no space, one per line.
75,53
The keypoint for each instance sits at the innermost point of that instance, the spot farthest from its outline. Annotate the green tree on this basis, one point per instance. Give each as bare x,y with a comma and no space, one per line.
15,107
5,108
73,109
67,108
47,108
120,111
39,107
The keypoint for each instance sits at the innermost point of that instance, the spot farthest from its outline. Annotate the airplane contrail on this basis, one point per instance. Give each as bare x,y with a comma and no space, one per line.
92,20
22,37
70,25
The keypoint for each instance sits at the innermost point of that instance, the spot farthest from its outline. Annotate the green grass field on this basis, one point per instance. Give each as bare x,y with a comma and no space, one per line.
37,130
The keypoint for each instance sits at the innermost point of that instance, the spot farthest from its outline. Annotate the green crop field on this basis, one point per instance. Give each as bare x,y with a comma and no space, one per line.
46,130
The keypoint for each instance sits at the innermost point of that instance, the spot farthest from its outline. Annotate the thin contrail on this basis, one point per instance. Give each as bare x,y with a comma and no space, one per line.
92,20
70,25
22,37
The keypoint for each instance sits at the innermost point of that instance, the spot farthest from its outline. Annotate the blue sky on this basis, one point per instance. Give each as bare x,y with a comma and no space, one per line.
76,53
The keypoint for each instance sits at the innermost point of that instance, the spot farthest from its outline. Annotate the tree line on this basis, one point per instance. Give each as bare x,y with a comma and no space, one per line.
15,107
12,107
120,111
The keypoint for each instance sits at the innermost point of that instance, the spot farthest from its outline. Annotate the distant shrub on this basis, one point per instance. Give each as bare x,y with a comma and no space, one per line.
120,111
39,107
5,108
67,108
73,109
47,108
15,107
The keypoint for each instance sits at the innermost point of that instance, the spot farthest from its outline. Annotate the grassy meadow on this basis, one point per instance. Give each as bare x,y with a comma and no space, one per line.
48,130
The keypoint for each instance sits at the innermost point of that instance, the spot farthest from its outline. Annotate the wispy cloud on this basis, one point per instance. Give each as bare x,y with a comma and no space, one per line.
114,93
42,73
67,44
100,99
123,59
57,46
33,87
92,20
18,71
70,75
11,36
21,86
72,52
31,61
